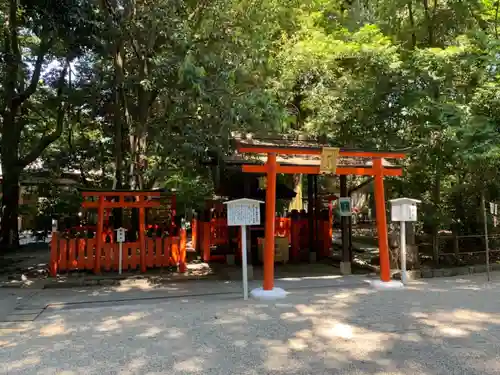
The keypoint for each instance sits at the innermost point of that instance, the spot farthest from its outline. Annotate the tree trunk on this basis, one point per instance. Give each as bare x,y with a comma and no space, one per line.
429,18
412,23
16,92
118,128
10,207
412,254
435,223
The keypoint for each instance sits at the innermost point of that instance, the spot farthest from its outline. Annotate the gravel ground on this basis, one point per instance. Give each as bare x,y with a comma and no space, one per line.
441,326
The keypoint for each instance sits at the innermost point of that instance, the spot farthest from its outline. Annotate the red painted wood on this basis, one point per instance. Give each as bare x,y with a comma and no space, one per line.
167,251
159,252
90,259
194,234
182,251
107,255
72,254
304,169
63,255
150,254
54,254
80,258
174,252
206,241
114,193
295,240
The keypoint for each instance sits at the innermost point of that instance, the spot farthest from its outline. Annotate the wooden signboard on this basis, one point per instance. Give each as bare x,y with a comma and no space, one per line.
329,156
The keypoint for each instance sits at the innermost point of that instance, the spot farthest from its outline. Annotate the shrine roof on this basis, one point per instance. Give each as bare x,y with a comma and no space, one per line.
300,144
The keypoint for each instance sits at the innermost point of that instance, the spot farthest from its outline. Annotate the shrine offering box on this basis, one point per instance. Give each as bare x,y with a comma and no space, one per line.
281,249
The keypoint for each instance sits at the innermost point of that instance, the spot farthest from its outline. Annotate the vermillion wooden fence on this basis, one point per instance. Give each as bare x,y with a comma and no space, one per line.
78,254
215,233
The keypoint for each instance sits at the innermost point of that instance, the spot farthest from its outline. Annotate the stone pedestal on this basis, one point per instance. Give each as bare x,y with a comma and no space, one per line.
268,295
385,285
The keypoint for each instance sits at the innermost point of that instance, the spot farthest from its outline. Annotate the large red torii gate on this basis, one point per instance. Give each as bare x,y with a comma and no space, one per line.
272,167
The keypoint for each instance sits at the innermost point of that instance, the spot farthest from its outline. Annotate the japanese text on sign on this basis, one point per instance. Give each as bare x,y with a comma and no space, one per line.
243,214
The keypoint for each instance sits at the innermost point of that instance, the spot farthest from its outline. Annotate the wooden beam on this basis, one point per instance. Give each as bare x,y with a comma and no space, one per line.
144,204
291,169
111,194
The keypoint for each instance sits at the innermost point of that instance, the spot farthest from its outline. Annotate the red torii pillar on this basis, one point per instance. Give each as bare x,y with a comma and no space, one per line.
271,167
268,290
383,243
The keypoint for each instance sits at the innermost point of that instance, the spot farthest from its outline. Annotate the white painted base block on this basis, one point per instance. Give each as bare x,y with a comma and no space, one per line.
384,285
268,295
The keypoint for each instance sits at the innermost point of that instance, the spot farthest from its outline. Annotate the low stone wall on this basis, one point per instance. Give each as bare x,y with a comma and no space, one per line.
428,273
457,271
411,275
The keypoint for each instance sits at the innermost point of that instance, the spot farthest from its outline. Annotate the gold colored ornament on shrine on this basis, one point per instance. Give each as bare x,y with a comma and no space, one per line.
329,158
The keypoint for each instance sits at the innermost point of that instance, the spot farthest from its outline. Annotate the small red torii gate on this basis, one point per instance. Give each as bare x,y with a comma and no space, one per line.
271,168
107,200
94,253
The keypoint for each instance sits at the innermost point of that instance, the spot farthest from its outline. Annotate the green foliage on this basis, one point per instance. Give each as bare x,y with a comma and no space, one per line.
155,88
397,74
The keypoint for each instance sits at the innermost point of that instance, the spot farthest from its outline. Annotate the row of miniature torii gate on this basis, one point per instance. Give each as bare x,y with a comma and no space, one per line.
328,161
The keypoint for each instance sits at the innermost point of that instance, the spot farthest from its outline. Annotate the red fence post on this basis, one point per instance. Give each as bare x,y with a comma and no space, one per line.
182,251
295,239
174,252
142,236
206,241
194,233
54,256
99,242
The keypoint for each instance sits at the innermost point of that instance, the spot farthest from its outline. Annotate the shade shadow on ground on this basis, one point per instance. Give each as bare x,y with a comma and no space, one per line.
446,326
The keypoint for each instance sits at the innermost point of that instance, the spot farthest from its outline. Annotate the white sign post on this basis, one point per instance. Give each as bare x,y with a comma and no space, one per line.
243,212
120,238
403,210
